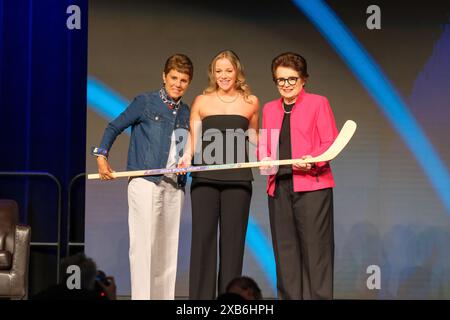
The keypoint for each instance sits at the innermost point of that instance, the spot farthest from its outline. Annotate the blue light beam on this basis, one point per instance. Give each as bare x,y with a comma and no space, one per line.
384,94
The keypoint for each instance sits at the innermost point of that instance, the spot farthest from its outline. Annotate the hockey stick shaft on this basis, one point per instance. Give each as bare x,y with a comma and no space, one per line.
332,152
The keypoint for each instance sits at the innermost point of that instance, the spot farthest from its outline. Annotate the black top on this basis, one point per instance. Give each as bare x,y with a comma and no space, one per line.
285,148
224,141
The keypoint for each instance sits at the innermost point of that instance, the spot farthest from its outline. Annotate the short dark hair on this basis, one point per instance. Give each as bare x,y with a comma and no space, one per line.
245,283
181,63
290,60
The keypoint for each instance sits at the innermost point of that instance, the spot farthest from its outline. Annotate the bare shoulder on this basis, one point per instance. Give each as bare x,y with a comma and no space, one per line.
201,104
199,100
254,101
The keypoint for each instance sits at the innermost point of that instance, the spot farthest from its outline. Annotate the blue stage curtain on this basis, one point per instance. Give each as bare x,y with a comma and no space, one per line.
43,71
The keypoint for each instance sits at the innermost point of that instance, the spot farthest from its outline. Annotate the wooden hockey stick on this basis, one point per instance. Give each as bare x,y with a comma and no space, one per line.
332,152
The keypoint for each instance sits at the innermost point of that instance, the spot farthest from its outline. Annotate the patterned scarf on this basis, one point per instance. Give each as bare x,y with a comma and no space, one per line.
172,104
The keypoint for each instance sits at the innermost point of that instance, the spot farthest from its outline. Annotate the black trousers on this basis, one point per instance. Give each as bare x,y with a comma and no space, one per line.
226,204
303,240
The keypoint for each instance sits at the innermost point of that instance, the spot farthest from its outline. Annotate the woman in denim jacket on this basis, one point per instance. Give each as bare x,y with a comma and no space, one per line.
159,123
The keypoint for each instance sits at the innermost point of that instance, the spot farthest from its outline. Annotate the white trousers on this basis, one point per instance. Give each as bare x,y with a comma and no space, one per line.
154,224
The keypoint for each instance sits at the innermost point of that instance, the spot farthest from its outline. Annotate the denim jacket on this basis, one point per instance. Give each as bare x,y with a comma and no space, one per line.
152,123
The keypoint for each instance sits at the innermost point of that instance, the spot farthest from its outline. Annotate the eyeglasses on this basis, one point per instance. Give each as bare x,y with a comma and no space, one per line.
282,81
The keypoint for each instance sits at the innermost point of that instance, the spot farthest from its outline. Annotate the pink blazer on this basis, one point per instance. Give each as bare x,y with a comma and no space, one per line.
313,130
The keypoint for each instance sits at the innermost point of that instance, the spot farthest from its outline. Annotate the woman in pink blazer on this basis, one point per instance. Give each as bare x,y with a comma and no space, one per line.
299,125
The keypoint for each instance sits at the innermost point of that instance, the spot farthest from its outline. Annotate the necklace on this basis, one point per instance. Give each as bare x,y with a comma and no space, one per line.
172,104
225,101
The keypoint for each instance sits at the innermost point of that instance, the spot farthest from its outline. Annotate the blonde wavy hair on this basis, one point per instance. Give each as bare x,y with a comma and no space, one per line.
240,85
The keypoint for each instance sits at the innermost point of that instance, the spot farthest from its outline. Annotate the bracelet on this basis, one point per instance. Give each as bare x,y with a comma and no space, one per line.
97,151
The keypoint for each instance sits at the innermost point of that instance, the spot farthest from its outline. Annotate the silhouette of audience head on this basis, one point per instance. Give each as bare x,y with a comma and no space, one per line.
88,270
242,288
80,280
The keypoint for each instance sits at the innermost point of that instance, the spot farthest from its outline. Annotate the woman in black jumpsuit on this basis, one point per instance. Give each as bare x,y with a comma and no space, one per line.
220,119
